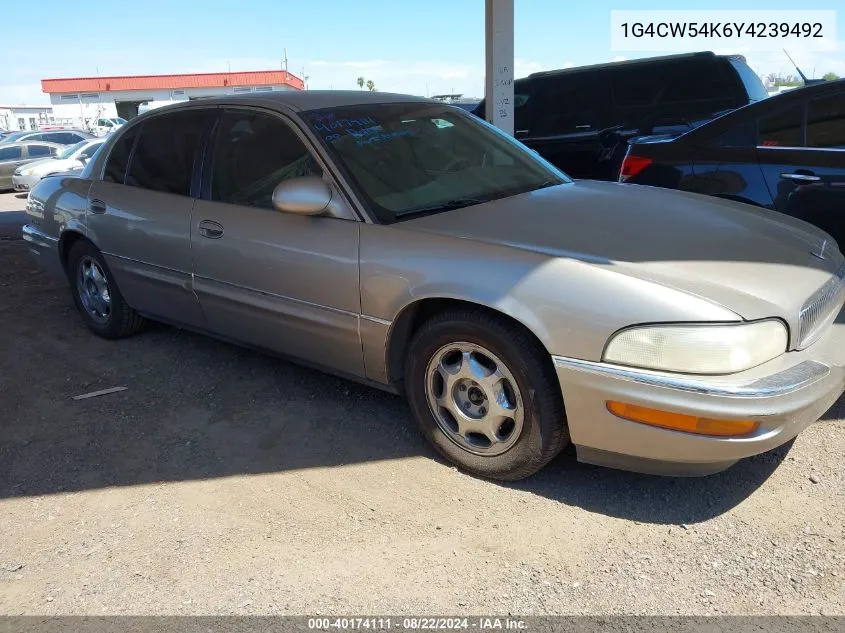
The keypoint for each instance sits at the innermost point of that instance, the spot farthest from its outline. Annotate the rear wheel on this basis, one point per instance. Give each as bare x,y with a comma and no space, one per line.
97,296
484,394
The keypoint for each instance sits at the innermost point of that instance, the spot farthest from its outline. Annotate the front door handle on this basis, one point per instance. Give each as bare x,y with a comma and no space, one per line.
211,230
801,177
96,206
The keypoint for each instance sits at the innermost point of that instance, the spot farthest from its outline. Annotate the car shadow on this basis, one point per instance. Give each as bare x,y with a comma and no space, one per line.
206,409
195,408
650,498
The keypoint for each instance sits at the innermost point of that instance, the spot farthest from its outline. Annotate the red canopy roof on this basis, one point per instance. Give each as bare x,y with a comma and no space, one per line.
170,82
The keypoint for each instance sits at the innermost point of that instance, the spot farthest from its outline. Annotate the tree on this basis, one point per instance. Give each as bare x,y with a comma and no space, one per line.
371,85
361,83
830,77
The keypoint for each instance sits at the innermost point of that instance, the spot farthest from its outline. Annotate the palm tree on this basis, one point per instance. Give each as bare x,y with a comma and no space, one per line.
371,86
361,83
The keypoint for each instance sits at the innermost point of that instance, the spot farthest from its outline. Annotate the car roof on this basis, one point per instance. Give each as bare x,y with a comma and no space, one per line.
763,108
643,61
301,100
25,142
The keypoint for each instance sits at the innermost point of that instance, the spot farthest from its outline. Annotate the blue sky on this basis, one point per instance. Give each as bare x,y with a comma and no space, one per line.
430,46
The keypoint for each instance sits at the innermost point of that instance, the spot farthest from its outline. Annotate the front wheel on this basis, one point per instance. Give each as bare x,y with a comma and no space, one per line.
485,395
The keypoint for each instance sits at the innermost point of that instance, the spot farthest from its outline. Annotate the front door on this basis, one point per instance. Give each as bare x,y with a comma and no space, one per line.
807,180
275,280
139,215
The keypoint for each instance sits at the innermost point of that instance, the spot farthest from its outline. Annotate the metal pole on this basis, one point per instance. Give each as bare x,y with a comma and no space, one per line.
498,81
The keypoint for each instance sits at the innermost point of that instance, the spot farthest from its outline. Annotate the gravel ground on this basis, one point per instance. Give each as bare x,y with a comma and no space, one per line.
223,481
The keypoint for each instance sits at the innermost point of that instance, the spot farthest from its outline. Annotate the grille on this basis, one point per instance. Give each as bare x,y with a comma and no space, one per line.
821,309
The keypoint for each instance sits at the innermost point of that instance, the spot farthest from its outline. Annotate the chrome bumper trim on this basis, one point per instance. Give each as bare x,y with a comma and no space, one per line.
36,236
783,382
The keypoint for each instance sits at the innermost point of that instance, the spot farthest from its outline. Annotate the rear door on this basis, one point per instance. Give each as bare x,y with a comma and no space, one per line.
139,214
11,157
279,281
802,155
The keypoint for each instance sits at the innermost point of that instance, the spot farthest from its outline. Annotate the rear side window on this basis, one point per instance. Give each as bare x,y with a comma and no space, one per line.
569,103
39,150
164,157
784,128
670,83
119,158
752,84
826,122
10,153
252,155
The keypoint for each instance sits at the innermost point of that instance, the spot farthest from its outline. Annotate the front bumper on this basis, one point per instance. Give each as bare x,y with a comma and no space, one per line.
24,183
785,395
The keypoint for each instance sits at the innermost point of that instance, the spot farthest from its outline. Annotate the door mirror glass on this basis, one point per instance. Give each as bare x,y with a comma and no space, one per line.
307,195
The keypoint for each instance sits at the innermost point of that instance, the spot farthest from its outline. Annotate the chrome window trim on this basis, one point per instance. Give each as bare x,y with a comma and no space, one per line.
792,379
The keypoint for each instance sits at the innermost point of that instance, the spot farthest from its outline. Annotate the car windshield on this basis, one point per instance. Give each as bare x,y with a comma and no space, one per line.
416,158
118,121
68,151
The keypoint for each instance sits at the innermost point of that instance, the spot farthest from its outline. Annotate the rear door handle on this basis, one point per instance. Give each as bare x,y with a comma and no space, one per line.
96,206
211,230
801,177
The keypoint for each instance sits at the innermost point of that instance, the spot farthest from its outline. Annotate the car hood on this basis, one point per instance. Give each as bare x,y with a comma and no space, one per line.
754,262
50,165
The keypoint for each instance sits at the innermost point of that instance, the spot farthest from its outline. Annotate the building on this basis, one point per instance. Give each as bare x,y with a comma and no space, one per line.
82,100
24,117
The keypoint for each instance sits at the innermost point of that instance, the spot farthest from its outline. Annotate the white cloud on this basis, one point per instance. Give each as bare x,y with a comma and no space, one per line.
812,63
414,77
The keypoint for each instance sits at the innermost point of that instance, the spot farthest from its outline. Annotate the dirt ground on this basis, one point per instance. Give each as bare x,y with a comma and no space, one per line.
222,481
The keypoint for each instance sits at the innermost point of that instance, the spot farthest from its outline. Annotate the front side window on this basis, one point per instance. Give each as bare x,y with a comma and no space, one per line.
826,122
405,161
164,157
38,150
253,153
118,160
89,151
10,153
784,128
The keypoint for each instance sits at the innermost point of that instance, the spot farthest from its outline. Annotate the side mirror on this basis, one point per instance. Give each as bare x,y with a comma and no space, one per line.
307,195
83,159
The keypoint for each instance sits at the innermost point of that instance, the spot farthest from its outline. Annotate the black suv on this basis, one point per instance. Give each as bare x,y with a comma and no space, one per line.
786,153
566,114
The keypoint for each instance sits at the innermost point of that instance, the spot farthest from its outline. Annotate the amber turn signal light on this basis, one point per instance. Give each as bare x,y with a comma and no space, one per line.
681,422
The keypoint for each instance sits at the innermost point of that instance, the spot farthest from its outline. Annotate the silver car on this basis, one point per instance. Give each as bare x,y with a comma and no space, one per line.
407,244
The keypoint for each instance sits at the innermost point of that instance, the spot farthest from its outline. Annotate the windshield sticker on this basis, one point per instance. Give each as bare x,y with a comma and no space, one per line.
364,130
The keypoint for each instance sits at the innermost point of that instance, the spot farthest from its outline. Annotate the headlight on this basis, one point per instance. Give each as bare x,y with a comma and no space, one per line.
698,349
22,171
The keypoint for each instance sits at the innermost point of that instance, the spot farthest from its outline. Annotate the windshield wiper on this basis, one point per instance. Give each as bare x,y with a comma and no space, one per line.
451,205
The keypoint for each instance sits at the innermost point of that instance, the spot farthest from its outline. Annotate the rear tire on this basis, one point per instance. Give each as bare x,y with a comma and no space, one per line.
97,296
485,394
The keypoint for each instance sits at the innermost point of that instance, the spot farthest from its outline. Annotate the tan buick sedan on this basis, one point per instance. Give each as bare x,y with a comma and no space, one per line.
404,243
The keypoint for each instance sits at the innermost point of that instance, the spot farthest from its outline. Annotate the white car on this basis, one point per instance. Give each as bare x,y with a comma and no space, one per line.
72,157
104,127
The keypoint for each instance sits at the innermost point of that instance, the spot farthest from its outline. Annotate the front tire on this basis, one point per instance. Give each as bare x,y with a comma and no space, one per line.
97,296
485,395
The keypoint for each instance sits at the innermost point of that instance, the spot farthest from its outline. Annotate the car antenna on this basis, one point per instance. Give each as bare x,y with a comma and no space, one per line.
807,82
